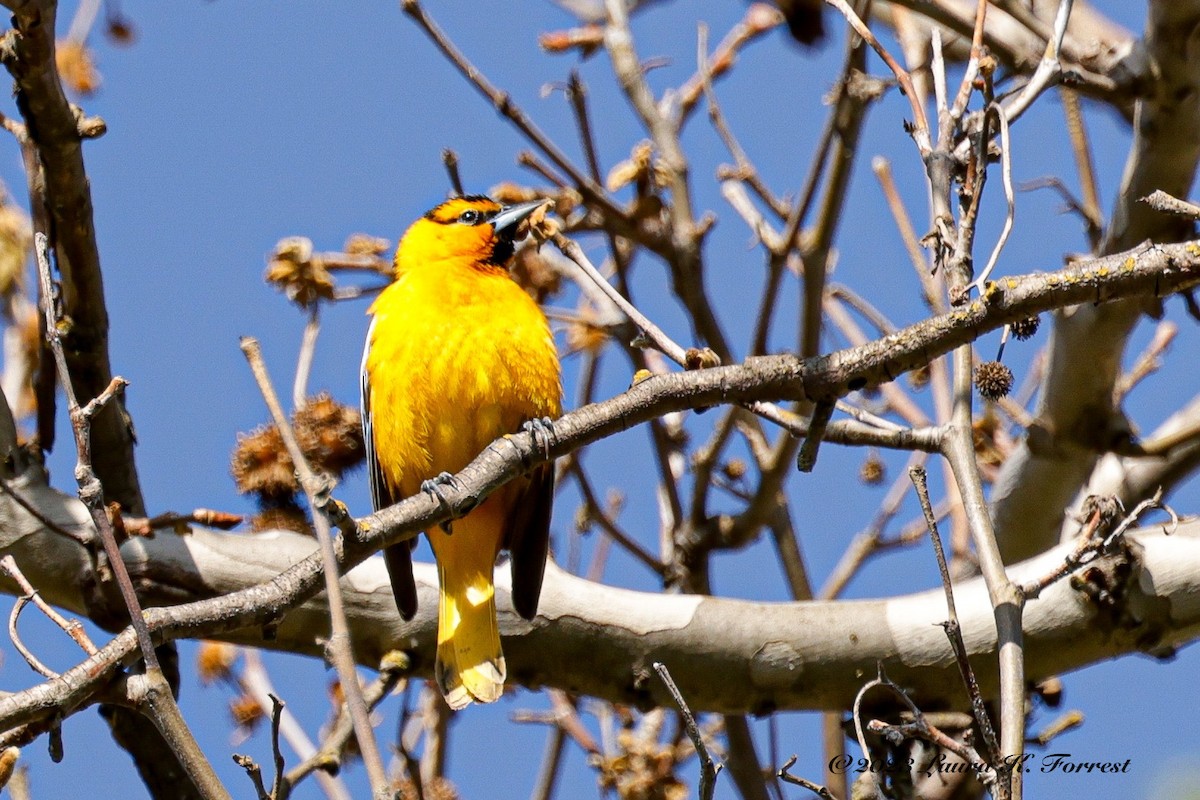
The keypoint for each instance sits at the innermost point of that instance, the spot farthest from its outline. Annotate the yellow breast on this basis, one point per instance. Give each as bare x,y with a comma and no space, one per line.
458,357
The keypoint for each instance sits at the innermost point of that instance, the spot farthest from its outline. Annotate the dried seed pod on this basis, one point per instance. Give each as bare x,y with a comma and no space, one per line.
294,271
260,465
285,517
329,434
872,471
1025,328
993,380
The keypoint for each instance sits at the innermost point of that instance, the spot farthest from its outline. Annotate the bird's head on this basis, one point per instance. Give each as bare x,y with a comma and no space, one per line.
470,228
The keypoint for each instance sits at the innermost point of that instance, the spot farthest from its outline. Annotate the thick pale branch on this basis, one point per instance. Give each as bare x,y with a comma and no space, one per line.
287,571
727,655
1075,419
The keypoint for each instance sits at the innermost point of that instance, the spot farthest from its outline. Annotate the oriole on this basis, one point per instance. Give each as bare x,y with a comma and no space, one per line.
456,356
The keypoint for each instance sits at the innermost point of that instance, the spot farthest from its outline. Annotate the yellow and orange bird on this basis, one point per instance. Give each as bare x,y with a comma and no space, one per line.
458,355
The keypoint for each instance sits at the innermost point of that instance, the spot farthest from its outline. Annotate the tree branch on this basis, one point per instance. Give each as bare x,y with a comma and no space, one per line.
28,53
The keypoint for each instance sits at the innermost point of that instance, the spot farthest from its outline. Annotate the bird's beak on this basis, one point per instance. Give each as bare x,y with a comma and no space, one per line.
505,223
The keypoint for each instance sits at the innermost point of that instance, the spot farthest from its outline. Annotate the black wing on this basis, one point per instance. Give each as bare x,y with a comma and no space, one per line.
397,557
528,540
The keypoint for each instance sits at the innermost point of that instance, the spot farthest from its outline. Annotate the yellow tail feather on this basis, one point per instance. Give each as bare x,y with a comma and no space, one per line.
470,666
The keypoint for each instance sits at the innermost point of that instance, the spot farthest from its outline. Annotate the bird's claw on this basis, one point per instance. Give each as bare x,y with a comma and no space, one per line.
542,431
433,486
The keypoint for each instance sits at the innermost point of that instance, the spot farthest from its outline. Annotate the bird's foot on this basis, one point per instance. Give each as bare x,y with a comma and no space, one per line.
542,431
433,487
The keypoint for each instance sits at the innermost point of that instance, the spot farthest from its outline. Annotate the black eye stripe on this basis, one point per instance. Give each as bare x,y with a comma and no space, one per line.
473,216
443,214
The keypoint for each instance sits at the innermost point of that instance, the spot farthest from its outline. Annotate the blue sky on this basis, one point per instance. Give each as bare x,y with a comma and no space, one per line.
234,124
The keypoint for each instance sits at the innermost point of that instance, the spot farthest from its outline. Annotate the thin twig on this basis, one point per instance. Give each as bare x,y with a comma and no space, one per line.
708,770
84,19
577,96
1065,722
255,773
146,526
598,514
1084,164
920,132
651,331
276,715
327,758
1006,176
919,728
551,761
1091,545
1161,201
1047,70
339,646
35,664
930,289
255,682
759,20
1148,362
304,362
967,85
796,780
504,104
73,627
951,626
450,161
744,167
90,490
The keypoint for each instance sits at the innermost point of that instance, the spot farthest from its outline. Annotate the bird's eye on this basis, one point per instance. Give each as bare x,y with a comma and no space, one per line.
469,217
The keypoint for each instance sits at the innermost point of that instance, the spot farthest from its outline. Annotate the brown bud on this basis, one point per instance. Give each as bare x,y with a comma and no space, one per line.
734,469
762,17
361,244
636,170
583,335
214,661
511,194
246,711
119,29
76,67
919,377
587,38
872,470
983,438
1050,690
540,227
8,763
700,358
